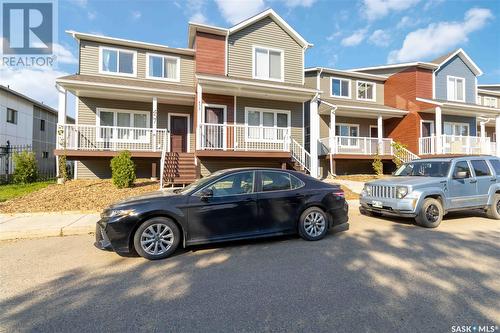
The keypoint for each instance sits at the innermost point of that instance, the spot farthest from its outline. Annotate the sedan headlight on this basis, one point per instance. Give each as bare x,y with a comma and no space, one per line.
401,191
117,212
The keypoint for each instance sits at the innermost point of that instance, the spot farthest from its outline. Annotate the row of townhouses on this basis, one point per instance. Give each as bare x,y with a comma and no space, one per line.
241,96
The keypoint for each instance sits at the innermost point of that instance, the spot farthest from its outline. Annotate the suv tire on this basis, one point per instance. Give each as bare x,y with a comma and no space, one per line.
493,211
431,213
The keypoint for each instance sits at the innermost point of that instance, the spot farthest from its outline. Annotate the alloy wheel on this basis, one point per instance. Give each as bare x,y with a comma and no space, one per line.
432,213
157,239
498,206
314,224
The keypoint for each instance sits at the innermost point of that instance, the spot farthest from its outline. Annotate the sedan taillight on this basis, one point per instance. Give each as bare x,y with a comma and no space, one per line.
339,193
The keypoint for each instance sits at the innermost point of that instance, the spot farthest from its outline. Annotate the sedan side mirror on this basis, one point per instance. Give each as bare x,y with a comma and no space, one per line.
460,175
206,193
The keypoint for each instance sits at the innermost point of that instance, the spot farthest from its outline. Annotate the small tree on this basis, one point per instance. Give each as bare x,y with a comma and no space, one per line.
26,168
63,171
377,165
123,170
398,149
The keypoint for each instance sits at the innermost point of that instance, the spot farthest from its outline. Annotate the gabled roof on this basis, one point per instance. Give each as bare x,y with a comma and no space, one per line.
423,64
278,19
465,58
127,42
494,85
347,73
29,99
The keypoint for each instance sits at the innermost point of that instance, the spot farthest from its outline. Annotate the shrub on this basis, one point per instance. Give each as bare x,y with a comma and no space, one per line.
63,171
398,149
377,165
123,170
26,168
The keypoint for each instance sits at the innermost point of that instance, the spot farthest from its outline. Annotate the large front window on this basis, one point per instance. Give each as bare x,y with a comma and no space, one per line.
459,129
341,87
348,133
456,89
117,61
120,125
267,124
366,90
163,67
268,64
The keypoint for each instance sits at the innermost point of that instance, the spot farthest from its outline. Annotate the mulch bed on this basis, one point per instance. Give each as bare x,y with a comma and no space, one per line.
76,195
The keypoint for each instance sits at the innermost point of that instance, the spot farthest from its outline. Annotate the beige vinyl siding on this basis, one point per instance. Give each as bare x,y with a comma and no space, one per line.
211,165
89,62
364,124
265,33
325,86
310,80
87,109
294,108
100,168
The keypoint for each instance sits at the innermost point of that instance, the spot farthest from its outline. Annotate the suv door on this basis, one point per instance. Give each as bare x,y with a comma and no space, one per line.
280,200
230,211
462,190
485,178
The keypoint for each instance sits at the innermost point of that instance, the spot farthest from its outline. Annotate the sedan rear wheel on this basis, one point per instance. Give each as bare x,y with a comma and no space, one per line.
313,224
156,238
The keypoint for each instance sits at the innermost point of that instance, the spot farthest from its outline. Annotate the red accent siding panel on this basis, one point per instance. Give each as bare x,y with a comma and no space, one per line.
210,55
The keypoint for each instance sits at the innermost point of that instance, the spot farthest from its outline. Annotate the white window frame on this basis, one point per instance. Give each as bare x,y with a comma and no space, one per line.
429,122
268,78
118,50
349,140
478,100
491,102
145,139
348,87
163,56
374,91
453,123
261,126
448,88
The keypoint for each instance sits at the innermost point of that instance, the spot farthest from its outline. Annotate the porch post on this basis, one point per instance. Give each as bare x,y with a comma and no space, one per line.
482,132
61,114
439,129
314,135
380,135
497,131
331,139
199,106
155,121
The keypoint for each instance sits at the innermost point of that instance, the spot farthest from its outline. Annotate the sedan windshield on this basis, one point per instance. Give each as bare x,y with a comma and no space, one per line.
425,169
199,183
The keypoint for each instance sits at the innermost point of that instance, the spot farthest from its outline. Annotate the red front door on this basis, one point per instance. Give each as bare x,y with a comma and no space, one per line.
178,134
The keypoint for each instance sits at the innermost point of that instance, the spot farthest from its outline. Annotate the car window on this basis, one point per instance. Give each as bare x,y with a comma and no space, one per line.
424,168
238,183
462,166
480,168
496,165
275,181
296,183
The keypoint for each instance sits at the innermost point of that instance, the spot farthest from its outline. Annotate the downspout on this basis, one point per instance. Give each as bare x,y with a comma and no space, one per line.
331,138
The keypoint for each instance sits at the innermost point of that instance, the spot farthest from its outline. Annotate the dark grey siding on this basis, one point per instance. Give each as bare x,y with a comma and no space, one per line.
456,67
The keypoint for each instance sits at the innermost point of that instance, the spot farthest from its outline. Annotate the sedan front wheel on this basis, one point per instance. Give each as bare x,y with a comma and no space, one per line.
157,238
313,224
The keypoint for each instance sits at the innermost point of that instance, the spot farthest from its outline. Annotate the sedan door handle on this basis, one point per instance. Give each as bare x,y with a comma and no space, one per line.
250,200
299,196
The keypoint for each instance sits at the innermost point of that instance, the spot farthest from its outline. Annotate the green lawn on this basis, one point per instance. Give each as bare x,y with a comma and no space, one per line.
11,191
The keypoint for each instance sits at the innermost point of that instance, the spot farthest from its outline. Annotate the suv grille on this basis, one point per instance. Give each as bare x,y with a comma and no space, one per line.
380,191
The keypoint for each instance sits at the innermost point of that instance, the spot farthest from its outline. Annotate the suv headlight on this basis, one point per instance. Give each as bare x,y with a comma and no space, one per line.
368,189
401,191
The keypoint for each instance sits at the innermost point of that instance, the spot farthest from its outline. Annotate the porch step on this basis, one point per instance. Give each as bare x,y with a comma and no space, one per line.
179,168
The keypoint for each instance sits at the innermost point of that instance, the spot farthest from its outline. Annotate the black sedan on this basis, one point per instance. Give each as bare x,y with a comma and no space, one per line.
228,205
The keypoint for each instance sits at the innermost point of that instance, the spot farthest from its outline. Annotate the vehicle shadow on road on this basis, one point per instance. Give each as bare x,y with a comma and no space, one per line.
377,280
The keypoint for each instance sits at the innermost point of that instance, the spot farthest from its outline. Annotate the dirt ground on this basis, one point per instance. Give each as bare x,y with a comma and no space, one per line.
361,177
76,195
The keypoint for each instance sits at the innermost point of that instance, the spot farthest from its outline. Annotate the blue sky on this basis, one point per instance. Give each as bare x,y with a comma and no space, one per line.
346,34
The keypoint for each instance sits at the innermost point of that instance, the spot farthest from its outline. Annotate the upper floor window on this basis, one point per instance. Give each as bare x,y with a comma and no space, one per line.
163,67
267,64
456,89
11,116
42,125
490,101
117,61
341,87
366,90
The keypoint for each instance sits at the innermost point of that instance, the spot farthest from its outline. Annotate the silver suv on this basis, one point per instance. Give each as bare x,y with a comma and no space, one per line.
427,189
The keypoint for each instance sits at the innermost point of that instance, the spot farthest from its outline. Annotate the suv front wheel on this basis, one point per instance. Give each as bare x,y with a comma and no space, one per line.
431,213
493,211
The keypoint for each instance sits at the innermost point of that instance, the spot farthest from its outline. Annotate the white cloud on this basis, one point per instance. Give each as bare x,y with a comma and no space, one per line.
64,56
431,3
376,9
136,14
236,11
438,38
198,17
91,15
354,39
380,38
298,3
40,84
80,3
195,10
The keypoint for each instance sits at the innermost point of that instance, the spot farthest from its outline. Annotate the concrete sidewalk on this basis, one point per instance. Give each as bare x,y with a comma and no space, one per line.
33,225
354,186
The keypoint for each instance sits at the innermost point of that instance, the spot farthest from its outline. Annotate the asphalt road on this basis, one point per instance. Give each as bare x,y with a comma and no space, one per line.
383,275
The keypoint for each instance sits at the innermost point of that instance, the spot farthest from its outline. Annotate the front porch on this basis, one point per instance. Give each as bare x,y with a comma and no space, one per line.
456,145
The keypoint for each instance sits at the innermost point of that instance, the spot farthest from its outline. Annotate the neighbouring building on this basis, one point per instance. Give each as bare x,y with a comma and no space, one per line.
26,122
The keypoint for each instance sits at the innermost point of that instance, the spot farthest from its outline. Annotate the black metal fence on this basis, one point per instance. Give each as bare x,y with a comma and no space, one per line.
7,159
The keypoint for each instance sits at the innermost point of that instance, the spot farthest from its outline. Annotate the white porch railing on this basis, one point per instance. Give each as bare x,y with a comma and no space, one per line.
300,155
91,137
243,138
356,146
455,144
